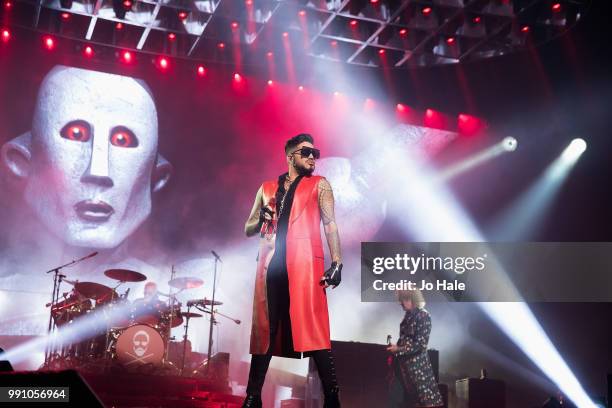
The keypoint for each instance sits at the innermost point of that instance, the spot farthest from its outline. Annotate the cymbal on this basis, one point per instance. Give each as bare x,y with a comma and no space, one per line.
190,315
92,290
186,282
125,275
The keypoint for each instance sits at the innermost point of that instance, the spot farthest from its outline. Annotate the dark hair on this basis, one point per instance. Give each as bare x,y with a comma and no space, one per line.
296,140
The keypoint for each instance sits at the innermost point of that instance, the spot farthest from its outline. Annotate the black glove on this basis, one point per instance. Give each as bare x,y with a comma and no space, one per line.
265,214
333,276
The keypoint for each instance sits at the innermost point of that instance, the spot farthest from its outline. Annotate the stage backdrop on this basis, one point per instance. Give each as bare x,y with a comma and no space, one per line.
154,172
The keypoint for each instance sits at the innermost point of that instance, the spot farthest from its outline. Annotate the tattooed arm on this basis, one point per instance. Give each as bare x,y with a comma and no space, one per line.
253,224
326,207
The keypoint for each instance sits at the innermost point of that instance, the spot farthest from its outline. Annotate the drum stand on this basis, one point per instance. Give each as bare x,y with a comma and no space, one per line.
185,340
57,281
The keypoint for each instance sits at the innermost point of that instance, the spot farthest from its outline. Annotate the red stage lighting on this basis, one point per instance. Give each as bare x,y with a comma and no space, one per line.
556,7
476,20
221,45
300,88
171,36
270,82
119,26
334,43
234,25
374,1
285,34
182,15
381,52
353,23
49,42
5,35
450,40
249,2
426,11
270,54
400,107
403,32
127,4
302,13
163,63
201,70
430,113
525,29
8,5
88,51
65,16
237,77
127,57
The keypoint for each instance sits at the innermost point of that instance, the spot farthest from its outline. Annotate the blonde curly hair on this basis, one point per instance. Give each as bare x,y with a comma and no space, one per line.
414,295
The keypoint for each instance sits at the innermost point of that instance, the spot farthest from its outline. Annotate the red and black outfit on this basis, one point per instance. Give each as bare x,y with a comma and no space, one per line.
290,306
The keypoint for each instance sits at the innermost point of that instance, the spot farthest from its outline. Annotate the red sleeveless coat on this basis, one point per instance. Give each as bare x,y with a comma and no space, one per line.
305,267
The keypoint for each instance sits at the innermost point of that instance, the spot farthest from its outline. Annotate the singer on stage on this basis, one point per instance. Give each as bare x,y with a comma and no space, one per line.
290,305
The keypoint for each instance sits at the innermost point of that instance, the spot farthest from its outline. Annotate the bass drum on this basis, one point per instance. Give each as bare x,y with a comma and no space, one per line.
139,345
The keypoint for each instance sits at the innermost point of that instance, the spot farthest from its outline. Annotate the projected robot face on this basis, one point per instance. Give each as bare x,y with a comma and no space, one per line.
141,342
92,156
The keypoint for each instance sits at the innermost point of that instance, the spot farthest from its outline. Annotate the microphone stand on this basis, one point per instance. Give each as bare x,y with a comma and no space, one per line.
57,281
212,314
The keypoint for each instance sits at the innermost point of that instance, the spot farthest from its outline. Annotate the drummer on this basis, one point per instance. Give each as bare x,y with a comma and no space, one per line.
147,309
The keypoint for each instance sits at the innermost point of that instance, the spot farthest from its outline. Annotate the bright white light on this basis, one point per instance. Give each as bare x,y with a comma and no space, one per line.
510,144
573,151
517,321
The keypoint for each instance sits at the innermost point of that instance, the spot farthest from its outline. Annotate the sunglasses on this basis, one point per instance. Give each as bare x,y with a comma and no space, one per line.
305,152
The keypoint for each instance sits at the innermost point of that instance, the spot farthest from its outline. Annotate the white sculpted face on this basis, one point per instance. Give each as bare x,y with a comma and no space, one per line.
93,150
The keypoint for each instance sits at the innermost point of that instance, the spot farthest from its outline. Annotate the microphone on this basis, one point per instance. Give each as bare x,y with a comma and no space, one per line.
217,256
90,255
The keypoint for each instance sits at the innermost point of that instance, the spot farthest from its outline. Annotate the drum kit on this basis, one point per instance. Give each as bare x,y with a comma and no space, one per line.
115,332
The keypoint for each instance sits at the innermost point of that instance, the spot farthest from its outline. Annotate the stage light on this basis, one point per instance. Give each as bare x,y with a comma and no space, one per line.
234,25
88,51
476,20
270,54
221,45
270,82
450,40
556,7
5,35
49,42
8,5
182,15
334,43
119,26
201,70
163,63
171,36
429,113
400,107
426,11
285,34
127,57
302,13
249,2
353,23
300,88
336,93
510,144
403,32
381,51
127,4
237,77
574,150
525,29
374,1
